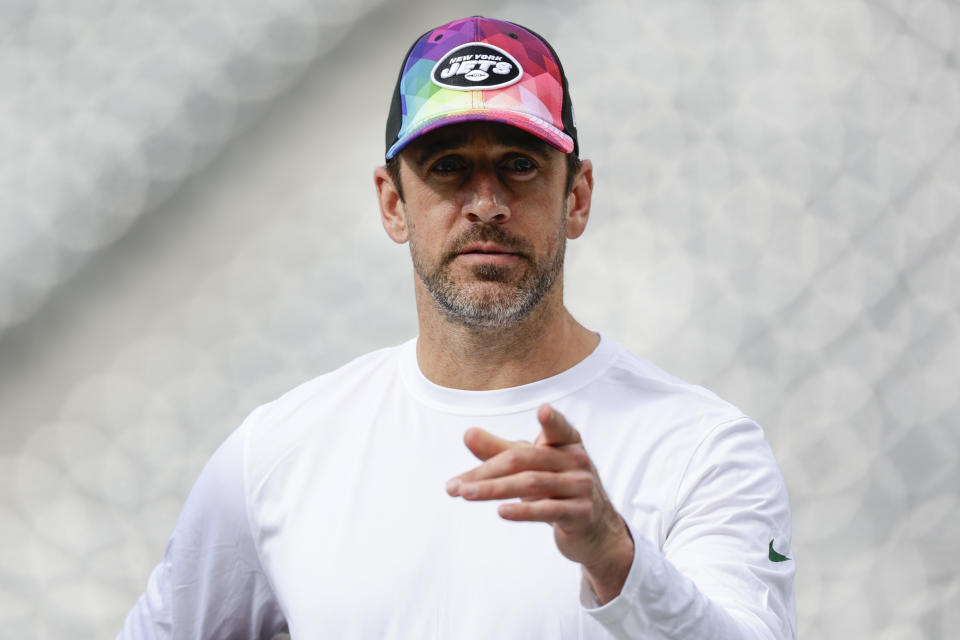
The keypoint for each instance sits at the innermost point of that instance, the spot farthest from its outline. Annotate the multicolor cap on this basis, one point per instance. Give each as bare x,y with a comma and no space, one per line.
481,69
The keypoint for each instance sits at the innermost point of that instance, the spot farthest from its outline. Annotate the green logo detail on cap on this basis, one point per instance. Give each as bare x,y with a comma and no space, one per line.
776,557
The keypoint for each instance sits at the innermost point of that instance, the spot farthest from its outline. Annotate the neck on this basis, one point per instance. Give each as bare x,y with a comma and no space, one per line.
547,342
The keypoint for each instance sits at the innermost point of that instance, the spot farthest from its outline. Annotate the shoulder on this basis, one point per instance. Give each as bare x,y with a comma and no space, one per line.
641,421
314,408
707,441
366,370
678,449
673,402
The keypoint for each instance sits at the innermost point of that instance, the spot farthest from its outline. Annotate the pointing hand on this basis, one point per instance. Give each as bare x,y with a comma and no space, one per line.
556,483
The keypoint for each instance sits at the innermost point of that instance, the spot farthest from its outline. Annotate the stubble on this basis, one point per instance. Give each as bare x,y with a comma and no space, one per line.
474,303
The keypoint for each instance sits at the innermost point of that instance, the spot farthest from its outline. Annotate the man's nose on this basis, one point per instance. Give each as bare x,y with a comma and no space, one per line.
486,199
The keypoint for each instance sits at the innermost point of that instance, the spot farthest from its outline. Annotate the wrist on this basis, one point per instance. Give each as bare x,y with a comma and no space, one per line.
607,575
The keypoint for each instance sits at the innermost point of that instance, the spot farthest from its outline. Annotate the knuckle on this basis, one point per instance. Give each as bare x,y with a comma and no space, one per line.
580,458
552,511
568,513
584,483
530,483
533,482
540,457
584,511
514,459
573,509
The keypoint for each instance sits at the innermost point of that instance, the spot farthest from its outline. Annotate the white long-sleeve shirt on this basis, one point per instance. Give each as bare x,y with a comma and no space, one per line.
325,513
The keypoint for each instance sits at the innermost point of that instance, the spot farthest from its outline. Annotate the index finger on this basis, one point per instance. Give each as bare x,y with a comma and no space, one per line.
485,445
519,459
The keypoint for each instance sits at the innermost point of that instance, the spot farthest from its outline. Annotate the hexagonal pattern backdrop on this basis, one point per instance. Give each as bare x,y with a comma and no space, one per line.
188,228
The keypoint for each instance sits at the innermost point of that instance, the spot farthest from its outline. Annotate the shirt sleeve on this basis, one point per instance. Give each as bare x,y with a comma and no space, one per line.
725,570
210,583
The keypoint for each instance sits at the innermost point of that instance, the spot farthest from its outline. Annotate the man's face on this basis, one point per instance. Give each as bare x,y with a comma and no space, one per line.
485,209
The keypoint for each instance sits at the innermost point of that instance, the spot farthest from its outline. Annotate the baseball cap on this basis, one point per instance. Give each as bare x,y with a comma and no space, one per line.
481,69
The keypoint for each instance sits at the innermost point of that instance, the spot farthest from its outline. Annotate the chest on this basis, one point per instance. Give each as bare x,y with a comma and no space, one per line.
362,541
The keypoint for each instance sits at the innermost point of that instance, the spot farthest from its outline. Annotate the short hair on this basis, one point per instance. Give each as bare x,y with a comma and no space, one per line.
573,166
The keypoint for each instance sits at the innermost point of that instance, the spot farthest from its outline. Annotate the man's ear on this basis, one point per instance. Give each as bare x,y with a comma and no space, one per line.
391,206
578,200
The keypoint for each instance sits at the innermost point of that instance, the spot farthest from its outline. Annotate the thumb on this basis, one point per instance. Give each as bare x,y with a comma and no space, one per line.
556,431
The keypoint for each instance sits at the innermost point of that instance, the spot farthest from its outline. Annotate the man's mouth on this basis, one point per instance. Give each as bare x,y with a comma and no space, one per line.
488,253
487,248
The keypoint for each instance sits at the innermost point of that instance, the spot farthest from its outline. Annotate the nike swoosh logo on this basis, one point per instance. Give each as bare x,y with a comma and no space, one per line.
776,557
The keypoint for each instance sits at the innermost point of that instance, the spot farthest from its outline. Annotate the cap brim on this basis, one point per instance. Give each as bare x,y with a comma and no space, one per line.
529,123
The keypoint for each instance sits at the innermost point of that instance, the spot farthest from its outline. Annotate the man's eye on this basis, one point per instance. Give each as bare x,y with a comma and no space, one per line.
521,164
446,166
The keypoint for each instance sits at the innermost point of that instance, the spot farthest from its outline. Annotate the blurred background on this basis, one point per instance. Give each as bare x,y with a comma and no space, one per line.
188,228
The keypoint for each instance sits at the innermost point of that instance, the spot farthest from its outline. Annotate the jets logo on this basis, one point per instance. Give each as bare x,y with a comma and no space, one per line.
476,65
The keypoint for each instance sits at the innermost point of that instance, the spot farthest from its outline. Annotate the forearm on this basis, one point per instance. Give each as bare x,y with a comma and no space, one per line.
659,602
608,574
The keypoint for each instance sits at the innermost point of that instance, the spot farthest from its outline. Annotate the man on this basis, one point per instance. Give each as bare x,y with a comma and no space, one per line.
350,508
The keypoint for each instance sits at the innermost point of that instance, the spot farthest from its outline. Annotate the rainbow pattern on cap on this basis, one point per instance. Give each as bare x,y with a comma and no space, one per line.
533,103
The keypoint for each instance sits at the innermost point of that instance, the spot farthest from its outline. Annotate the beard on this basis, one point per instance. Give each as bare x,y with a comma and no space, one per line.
503,305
